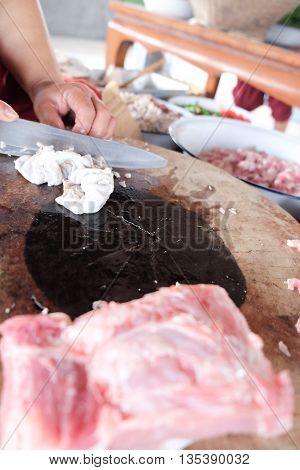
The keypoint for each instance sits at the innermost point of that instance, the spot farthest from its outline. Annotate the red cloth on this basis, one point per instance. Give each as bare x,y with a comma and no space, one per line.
17,98
248,97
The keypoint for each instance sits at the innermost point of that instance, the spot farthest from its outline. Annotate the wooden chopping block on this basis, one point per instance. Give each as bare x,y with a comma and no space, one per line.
126,126
256,236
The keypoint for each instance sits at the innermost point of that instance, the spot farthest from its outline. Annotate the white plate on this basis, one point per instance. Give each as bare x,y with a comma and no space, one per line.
199,133
208,103
195,135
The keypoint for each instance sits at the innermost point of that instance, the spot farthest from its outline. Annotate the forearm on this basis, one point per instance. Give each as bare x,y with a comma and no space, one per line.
25,50
24,45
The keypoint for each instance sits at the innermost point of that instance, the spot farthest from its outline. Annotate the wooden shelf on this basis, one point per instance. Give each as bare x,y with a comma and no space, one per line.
272,69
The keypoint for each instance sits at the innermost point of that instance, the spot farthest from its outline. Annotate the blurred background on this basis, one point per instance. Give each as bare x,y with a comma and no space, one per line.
78,32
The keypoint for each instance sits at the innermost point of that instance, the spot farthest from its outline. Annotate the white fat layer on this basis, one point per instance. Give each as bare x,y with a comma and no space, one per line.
87,190
88,182
284,349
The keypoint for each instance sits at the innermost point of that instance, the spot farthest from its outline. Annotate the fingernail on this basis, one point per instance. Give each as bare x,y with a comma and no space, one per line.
10,113
82,131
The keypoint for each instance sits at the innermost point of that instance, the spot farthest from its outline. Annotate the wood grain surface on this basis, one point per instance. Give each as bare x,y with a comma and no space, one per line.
256,236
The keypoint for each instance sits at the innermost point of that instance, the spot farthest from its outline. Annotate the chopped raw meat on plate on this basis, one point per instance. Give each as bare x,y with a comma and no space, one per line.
258,167
152,114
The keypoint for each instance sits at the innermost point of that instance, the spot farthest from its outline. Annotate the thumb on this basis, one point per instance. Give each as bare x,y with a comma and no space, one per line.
7,113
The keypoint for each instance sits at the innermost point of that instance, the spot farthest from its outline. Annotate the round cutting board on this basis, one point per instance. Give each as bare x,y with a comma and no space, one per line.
253,229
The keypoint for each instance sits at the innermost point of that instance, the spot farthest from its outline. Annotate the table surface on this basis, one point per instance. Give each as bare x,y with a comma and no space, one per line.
256,236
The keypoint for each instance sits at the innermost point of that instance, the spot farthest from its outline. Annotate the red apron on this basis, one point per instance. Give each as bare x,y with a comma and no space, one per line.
17,98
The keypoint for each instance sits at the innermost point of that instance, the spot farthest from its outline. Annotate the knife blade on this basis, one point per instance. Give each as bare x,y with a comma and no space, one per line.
21,138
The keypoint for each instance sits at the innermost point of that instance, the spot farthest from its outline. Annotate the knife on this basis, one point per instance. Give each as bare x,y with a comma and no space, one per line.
21,137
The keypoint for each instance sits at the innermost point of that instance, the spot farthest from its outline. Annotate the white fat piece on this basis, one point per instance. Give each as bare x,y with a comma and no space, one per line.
51,167
87,190
88,182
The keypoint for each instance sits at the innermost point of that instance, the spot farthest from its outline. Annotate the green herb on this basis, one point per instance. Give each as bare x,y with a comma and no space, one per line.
292,19
135,2
199,110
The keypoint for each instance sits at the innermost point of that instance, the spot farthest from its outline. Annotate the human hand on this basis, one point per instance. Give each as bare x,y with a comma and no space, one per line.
7,113
52,101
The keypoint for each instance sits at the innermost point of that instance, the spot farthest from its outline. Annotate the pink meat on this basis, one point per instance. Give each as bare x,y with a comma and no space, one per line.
114,318
46,400
160,372
294,244
258,167
293,284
